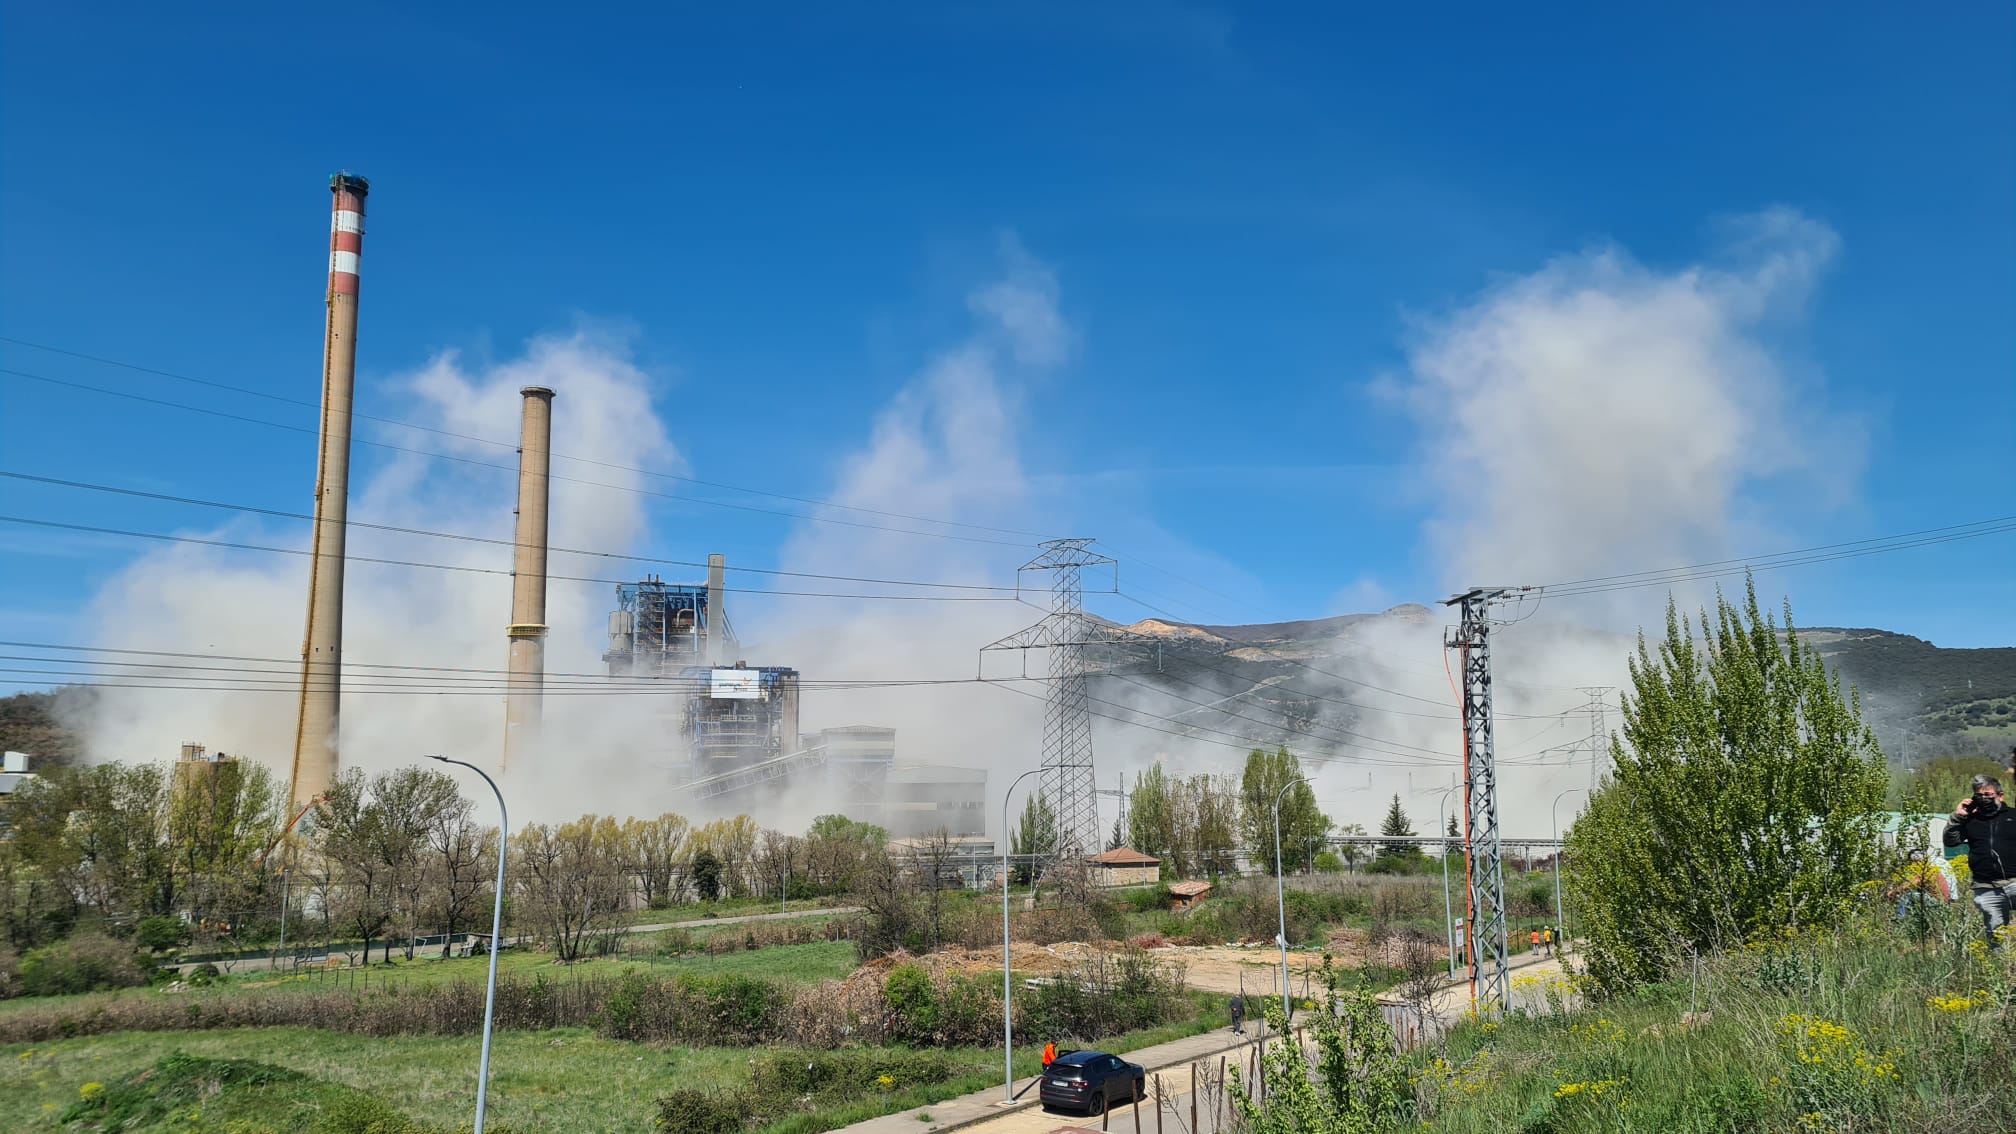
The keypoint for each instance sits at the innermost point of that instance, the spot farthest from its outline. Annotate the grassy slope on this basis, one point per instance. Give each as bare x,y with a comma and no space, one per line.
1881,1052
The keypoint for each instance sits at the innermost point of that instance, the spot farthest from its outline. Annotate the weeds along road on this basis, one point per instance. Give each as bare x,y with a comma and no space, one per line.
254,964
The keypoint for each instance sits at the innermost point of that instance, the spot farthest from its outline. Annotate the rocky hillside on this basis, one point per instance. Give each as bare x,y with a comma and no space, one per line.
1923,700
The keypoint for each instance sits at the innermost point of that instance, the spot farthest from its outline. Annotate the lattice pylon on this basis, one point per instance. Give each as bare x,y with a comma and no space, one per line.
1068,781
1490,984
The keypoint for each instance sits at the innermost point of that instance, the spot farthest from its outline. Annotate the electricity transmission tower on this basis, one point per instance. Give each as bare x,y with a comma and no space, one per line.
1067,778
1483,868
1599,734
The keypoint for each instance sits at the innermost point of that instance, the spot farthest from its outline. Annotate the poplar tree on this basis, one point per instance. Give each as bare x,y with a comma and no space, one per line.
1744,799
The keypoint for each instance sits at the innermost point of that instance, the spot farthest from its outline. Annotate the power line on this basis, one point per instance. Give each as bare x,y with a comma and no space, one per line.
471,461
512,445
496,542
294,662
1827,553
164,537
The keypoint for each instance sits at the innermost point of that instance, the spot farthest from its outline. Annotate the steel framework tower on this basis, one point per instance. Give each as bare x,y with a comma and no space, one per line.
1599,752
1483,864
1067,779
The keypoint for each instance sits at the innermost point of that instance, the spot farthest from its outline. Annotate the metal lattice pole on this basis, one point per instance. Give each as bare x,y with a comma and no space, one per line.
1599,750
1068,783
1067,718
1490,986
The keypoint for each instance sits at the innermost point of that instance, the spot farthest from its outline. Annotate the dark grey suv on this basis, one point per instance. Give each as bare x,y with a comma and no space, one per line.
1090,1081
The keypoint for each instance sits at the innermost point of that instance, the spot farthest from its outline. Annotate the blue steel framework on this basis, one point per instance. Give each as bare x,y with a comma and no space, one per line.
659,628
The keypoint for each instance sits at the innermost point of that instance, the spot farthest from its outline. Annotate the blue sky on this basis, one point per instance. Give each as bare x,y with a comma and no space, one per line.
1257,226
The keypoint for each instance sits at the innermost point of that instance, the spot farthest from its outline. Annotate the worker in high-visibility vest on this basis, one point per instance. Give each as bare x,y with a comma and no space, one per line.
1049,1054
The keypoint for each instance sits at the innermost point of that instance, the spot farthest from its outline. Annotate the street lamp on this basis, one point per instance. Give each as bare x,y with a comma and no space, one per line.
1448,906
1560,911
1007,985
1281,894
496,937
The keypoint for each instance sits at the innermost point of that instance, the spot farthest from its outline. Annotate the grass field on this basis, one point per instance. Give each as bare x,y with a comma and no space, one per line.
562,1080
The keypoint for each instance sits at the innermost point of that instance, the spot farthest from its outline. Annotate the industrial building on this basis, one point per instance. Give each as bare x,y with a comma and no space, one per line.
735,732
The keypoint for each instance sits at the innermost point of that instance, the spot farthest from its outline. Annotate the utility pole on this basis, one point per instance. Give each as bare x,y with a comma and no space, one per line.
1067,779
1599,734
1484,871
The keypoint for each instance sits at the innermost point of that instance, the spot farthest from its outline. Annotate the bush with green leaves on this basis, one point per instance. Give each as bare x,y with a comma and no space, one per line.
691,1110
1360,1083
87,962
1744,799
161,933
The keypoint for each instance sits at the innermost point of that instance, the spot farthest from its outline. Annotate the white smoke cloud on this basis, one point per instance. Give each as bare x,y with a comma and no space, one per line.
216,601
1602,416
948,445
1595,417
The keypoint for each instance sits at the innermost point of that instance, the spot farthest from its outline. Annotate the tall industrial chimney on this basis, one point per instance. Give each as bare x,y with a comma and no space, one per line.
322,649
527,679
717,610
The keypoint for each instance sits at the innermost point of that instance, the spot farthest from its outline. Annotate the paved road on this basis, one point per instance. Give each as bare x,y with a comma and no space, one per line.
738,919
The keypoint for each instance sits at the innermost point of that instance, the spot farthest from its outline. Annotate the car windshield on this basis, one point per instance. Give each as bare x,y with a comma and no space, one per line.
1066,1071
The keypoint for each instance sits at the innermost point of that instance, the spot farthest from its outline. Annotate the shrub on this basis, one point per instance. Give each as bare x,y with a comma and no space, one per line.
161,933
88,962
690,1110
1150,899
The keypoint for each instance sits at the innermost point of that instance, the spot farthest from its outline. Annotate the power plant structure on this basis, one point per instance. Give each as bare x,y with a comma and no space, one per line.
316,729
525,681
732,729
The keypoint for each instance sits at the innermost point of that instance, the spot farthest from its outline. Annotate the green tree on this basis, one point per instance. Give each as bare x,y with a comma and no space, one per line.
1303,825
1360,1085
1034,838
707,875
1396,825
1937,784
1744,798
1211,808
1155,820
1350,851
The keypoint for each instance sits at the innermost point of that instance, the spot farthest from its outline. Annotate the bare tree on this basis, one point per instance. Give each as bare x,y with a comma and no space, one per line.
571,879
461,860
932,866
655,849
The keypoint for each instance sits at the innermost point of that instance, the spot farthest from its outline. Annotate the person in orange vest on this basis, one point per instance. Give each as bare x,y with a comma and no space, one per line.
1049,1054
1534,940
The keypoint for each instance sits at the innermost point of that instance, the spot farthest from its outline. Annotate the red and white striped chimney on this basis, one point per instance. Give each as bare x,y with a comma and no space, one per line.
315,736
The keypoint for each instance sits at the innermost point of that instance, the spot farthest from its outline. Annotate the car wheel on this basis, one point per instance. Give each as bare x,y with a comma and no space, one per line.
1096,1105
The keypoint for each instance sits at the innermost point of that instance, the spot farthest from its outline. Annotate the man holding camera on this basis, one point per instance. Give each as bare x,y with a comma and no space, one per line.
1988,827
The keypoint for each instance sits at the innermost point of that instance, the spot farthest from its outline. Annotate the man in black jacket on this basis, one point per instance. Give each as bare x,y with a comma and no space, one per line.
1988,827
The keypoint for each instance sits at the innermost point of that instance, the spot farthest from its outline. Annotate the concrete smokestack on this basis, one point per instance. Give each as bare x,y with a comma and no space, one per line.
315,736
527,680
717,609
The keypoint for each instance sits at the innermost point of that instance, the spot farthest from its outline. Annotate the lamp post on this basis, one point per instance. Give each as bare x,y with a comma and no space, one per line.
1448,906
496,937
1281,895
1007,985
1560,911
